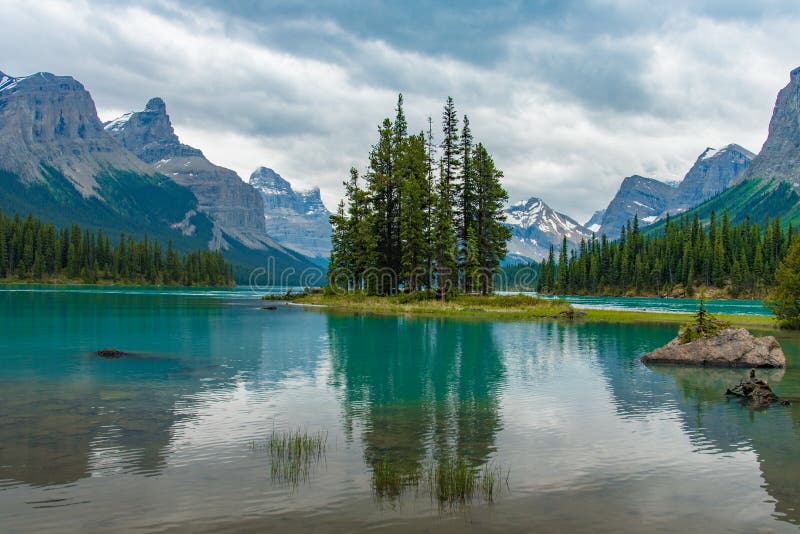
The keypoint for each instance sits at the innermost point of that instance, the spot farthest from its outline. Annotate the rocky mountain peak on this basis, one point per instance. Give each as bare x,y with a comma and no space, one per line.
639,196
235,207
156,105
780,155
296,219
270,182
712,173
149,134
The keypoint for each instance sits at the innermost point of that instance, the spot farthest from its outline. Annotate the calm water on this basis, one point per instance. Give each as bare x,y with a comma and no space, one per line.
161,441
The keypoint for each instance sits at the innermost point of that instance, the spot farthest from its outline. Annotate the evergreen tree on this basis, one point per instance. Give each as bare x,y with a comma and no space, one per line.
489,199
444,244
413,210
785,299
563,268
451,154
384,195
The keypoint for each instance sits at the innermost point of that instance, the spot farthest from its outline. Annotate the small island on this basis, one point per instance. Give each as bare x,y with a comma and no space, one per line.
709,341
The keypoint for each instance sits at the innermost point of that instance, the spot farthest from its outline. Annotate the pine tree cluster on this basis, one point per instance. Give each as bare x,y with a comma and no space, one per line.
407,228
34,250
740,258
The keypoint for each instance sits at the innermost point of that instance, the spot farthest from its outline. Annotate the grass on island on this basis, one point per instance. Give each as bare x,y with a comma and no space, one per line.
423,304
293,454
513,307
646,317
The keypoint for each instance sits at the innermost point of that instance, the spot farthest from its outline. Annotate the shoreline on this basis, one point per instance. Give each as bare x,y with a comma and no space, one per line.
508,307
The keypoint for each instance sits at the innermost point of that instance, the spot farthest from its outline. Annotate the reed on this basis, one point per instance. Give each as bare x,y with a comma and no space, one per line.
390,480
449,480
294,454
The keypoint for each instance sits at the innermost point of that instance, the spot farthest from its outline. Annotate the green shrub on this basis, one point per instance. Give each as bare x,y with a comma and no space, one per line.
704,324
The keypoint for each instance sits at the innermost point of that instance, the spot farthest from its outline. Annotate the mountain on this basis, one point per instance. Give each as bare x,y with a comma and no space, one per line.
710,175
296,219
58,163
535,226
769,185
234,207
645,197
780,155
594,223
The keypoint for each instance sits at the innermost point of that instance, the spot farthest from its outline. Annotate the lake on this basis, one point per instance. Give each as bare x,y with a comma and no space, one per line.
171,437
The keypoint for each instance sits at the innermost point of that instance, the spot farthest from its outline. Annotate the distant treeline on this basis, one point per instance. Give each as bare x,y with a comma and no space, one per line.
741,259
31,249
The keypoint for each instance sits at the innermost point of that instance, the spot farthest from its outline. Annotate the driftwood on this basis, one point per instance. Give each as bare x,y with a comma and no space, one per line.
754,391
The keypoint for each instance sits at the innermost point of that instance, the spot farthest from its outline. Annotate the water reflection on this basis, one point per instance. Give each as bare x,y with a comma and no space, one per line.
723,425
714,423
421,390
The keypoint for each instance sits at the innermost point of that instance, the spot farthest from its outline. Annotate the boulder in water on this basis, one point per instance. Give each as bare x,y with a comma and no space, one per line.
732,347
110,353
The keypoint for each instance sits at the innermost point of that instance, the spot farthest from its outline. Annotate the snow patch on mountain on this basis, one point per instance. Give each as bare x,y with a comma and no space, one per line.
535,226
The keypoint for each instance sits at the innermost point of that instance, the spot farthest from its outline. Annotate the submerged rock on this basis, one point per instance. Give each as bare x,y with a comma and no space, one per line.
756,392
733,347
110,353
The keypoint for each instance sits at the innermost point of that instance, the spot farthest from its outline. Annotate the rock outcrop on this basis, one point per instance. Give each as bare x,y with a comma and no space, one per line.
296,219
535,226
234,206
733,347
780,155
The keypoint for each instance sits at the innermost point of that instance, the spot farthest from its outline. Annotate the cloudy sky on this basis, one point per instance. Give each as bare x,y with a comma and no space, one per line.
569,96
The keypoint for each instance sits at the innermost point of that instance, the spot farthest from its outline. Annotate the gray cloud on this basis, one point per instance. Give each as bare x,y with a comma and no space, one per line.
570,96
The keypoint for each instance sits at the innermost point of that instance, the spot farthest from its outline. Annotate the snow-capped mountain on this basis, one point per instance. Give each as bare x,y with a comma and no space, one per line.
535,226
296,219
639,196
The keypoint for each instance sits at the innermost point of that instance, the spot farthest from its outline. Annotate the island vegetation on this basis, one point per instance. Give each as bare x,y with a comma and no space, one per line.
406,229
35,251
428,304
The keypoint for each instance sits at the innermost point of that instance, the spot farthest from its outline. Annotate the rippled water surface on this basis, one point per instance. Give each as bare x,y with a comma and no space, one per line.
163,440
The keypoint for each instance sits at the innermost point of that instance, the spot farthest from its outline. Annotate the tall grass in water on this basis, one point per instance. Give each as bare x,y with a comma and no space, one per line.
294,454
450,481
390,480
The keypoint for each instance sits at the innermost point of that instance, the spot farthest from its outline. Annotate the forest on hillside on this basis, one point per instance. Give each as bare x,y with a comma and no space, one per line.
33,250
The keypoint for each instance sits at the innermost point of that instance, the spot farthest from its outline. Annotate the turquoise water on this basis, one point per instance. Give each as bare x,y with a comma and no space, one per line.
736,307
163,439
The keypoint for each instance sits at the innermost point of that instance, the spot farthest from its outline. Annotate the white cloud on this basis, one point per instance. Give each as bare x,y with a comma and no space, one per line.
566,115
